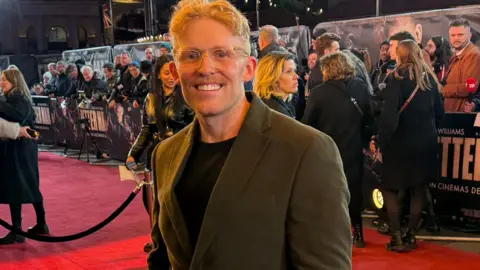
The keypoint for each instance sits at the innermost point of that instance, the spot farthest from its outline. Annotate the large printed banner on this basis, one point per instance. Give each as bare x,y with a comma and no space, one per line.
370,32
44,119
457,192
95,57
296,38
113,129
137,51
44,60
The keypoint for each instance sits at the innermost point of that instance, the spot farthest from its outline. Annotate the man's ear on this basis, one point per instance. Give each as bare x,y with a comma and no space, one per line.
173,70
250,67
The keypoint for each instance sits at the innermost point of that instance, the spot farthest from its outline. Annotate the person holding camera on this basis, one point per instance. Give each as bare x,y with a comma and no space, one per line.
20,176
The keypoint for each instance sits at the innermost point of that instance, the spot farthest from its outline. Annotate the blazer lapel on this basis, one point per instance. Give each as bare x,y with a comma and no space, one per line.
246,152
180,155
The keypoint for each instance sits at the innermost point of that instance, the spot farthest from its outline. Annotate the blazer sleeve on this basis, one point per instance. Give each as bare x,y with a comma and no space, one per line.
8,130
318,223
389,117
158,257
471,70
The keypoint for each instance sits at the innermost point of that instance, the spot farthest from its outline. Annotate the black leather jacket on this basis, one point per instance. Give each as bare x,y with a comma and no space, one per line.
161,118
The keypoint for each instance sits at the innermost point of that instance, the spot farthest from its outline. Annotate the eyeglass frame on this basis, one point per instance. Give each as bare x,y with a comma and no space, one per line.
207,52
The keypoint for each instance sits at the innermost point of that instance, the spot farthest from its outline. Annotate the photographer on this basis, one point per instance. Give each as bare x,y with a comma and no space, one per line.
95,89
135,88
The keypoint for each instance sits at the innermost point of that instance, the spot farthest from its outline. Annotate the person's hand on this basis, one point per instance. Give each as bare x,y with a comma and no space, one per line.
468,106
306,77
104,98
111,105
136,104
23,133
125,98
131,163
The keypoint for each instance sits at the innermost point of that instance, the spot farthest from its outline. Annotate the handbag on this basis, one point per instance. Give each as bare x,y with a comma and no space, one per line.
374,157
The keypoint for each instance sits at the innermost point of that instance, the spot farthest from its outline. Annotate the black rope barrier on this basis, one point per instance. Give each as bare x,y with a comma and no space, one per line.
68,238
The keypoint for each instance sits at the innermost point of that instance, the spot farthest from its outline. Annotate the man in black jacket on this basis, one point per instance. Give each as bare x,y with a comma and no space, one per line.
267,40
325,44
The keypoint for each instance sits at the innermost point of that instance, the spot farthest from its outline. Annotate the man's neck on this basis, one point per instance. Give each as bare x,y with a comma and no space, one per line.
458,52
223,127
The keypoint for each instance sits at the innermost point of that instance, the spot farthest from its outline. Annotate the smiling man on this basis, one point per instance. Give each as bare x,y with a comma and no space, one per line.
464,65
242,187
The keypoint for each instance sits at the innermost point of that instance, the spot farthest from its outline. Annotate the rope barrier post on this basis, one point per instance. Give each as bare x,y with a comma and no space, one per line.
150,191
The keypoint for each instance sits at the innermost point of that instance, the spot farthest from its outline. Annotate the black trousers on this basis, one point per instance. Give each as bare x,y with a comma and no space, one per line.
16,214
355,207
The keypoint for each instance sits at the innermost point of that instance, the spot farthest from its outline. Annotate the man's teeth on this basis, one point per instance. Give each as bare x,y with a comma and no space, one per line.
208,87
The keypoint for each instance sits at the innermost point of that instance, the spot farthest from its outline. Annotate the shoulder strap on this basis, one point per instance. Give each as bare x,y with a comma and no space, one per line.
351,98
404,106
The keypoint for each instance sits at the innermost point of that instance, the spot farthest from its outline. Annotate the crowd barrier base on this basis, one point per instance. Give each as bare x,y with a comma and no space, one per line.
447,238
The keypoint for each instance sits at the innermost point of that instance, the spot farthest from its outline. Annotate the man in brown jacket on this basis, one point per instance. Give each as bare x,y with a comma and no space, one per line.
464,64
242,187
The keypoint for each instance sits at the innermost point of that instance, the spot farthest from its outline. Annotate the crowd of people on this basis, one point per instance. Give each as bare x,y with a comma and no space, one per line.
278,170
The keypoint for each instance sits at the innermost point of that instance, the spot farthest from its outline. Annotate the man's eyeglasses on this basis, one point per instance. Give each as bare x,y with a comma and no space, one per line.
219,57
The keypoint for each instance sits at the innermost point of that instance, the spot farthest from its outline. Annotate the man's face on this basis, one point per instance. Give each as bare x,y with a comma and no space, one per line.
459,37
384,52
212,87
87,75
164,51
108,73
393,49
333,48
312,59
53,70
149,54
60,68
406,23
124,59
134,71
38,89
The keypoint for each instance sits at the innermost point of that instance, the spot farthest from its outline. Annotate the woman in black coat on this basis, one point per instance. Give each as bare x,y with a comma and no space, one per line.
164,113
19,183
408,139
341,108
276,81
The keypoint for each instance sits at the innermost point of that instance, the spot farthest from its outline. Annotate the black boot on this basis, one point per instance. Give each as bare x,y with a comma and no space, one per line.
39,229
396,243
11,238
409,239
358,241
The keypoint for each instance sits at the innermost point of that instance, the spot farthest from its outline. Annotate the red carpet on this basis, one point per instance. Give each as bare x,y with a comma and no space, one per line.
78,195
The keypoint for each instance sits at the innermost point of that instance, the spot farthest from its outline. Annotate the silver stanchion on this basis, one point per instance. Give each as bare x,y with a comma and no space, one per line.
447,238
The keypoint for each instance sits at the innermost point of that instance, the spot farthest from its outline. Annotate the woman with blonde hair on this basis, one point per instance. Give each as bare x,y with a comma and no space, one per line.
407,139
276,80
19,183
341,107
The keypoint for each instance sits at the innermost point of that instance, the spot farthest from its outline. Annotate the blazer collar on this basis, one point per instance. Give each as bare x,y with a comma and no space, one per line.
246,152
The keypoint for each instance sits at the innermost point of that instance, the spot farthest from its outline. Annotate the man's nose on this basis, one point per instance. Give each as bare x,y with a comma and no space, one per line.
206,64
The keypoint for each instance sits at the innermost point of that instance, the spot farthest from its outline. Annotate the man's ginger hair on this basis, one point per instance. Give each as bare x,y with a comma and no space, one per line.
187,11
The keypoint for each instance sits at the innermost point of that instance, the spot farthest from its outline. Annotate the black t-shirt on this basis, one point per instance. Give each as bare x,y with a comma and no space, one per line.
201,172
